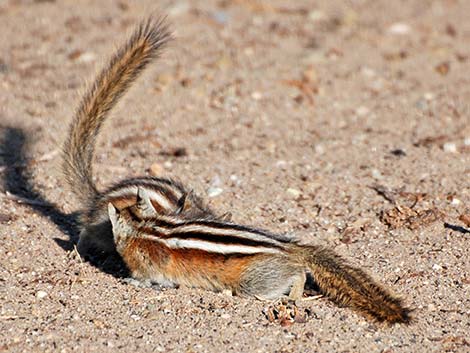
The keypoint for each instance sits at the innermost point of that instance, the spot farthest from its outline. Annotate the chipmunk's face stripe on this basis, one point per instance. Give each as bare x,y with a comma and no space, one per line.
157,197
211,247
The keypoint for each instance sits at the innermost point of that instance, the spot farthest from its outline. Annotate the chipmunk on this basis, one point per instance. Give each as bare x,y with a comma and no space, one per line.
168,196
166,234
219,255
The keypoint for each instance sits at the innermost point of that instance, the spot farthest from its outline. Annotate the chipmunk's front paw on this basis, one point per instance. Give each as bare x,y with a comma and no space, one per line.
147,283
285,312
163,285
137,282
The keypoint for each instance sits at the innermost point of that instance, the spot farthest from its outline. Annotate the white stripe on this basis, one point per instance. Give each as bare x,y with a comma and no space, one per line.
180,227
160,198
174,243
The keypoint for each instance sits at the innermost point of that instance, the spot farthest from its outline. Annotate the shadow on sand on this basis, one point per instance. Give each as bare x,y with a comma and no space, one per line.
17,181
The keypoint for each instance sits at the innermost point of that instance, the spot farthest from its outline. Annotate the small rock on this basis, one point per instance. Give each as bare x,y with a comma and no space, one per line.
466,142
294,193
368,72
465,218
319,149
436,267
86,57
214,191
376,174
362,111
443,68
227,292
398,152
450,147
41,294
399,28
256,95
225,316
235,180
316,16
429,96
156,169
179,9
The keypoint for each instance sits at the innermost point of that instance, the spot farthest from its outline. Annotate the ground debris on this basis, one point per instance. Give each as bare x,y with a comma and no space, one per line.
465,219
403,216
285,313
398,196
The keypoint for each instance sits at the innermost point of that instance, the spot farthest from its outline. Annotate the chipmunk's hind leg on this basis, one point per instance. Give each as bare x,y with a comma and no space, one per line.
273,278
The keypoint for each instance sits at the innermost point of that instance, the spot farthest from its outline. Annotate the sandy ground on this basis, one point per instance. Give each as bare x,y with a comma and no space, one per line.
345,123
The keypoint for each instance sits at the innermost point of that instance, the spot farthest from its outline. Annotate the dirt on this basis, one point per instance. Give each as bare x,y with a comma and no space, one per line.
344,123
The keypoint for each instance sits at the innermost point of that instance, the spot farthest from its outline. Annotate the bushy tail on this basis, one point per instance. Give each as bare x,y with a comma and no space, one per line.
349,286
113,81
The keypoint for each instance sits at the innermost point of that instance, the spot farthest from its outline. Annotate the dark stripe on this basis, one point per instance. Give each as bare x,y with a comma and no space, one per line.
212,238
162,185
221,226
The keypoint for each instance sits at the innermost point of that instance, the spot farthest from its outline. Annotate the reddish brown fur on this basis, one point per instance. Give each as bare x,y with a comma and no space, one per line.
145,257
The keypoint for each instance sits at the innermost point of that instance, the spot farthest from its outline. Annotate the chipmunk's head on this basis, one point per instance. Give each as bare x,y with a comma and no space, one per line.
122,223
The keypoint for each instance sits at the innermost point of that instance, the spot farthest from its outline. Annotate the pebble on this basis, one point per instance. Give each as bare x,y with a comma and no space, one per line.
319,149
214,191
436,267
294,192
87,57
156,169
179,9
41,294
362,111
368,72
450,147
399,28
376,174
256,95
429,96
316,16
235,180
225,316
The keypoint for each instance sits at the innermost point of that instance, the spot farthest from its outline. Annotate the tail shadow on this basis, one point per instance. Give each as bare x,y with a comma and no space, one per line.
17,180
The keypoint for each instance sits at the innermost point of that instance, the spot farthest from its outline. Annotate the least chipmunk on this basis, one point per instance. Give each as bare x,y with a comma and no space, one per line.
219,255
165,234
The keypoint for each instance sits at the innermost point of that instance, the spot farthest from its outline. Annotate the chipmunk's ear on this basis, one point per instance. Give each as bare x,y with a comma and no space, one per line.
184,203
143,200
113,214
